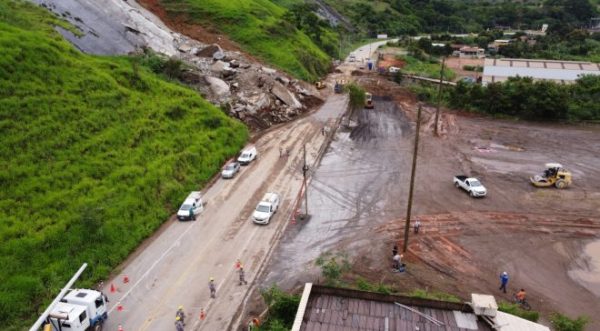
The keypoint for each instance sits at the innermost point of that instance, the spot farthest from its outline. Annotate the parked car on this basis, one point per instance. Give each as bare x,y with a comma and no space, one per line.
193,202
230,169
266,208
472,185
248,155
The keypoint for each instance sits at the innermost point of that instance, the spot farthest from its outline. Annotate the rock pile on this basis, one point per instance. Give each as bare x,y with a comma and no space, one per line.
256,94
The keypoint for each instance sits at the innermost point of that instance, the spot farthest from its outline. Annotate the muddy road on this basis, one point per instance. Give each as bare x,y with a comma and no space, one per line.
545,238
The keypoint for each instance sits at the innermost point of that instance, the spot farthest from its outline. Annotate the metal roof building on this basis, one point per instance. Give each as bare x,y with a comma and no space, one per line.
498,70
331,309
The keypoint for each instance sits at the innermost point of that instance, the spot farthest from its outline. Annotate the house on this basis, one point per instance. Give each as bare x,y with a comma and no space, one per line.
329,308
468,52
498,70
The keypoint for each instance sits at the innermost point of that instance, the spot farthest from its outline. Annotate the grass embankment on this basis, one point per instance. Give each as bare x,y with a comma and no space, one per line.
430,68
259,26
96,153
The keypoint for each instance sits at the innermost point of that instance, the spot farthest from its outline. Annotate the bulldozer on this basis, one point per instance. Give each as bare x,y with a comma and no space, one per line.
554,175
320,85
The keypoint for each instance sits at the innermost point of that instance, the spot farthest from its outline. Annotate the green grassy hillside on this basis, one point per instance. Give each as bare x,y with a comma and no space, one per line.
96,153
261,27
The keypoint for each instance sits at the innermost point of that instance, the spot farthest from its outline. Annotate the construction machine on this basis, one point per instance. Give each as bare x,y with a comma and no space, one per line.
320,85
554,175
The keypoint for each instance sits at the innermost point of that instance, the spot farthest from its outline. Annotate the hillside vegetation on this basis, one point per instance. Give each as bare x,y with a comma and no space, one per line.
262,28
397,17
96,153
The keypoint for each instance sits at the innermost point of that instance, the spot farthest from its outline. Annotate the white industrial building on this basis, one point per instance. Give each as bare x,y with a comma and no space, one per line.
498,70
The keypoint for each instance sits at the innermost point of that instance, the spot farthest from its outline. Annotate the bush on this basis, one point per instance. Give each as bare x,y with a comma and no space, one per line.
515,309
473,68
331,269
357,96
522,97
424,294
282,309
564,323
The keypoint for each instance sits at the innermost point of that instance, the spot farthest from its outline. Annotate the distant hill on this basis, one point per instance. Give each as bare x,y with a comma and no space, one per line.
96,153
397,17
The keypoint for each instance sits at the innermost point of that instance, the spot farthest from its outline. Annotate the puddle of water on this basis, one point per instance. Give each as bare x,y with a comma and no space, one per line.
588,272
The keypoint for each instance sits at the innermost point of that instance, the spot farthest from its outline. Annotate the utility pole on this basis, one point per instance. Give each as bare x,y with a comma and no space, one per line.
439,100
305,173
412,182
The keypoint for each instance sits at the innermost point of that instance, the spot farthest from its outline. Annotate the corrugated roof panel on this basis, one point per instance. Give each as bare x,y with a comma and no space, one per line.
466,321
508,322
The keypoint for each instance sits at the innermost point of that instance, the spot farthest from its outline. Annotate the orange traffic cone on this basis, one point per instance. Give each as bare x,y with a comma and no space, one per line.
120,328
120,307
238,263
125,279
113,289
202,314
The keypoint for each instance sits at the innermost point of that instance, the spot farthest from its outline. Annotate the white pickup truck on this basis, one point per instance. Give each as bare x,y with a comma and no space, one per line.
266,208
472,185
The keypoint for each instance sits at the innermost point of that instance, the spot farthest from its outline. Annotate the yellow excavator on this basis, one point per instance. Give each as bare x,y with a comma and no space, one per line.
320,85
554,175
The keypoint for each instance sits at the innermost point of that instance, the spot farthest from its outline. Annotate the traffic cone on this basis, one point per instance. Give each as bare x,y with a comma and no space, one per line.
125,279
120,307
238,263
202,314
120,328
113,289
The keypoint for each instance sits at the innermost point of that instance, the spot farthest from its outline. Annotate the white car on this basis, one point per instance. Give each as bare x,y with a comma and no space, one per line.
266,208
193,202
248,155
230,170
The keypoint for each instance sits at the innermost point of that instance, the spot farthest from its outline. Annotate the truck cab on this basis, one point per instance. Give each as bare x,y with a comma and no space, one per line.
266,208
79,310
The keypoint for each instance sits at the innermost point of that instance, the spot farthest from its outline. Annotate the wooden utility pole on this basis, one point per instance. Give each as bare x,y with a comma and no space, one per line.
412,182
439,100
305,173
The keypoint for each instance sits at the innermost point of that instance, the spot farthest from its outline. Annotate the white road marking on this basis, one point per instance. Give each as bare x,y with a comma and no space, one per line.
164,254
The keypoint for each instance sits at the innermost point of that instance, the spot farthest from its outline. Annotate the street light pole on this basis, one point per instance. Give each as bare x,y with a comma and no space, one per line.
412,182
439,100
305,172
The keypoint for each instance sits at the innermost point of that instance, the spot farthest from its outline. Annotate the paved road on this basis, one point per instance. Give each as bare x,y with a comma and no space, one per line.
175,267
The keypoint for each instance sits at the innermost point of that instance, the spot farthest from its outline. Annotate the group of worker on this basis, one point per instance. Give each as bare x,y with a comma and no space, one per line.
212,287
520,297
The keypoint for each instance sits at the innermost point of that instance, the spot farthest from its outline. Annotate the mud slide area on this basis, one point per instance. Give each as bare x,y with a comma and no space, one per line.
545,238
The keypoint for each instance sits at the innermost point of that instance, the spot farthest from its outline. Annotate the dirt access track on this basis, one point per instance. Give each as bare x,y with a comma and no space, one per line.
358,197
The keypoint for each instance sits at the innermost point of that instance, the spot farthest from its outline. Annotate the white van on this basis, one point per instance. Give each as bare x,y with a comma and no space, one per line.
248,155
193,202
266,208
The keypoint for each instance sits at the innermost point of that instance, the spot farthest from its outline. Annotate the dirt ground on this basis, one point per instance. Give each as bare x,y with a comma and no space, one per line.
358,196
457,64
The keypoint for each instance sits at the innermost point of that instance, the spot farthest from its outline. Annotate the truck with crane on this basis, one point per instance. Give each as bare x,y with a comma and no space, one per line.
74,309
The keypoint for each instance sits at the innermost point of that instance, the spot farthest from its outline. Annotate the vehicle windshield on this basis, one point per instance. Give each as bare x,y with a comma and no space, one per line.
229,167
475,183
263,208
245,155
185,207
